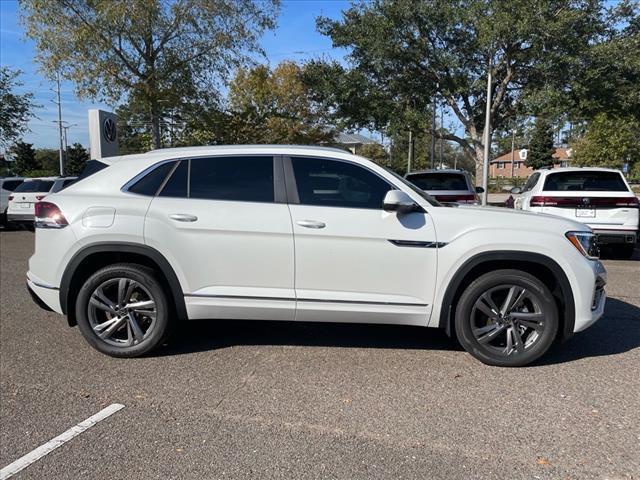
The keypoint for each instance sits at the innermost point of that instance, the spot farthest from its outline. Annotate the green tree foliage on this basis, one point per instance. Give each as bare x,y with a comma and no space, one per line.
15,109
541,147
609,142
77,156
275,107
24,158
48,160
405,53
148,49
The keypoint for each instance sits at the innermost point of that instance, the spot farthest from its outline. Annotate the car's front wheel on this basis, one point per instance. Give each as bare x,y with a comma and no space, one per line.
122,310
506,318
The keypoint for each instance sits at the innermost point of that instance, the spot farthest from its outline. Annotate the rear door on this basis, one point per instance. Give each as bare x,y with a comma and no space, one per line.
224,224
354,261
601,199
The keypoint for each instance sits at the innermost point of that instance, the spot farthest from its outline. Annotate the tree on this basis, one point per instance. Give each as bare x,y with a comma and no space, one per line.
24,158
150,49
77,156
610,142
48,161
274,106
541,149
404,49
15,109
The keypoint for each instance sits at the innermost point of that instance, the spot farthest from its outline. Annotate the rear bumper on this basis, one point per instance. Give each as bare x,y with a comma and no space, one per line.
45,296
20,217
612,236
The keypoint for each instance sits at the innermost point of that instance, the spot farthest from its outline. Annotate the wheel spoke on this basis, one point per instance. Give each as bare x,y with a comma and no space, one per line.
112,329
145,304
138,334
487,306
513,299
491,335
518,339
122,289
101,326
529,319
509,348
99,300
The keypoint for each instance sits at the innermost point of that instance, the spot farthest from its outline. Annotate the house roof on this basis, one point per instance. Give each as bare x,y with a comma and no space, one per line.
561,154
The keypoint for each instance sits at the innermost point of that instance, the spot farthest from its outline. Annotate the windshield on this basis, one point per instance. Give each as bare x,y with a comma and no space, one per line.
419,191
35,186
585,182
439,181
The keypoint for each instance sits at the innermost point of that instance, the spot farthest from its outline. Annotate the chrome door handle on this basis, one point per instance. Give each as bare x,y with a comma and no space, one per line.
311,224
183,217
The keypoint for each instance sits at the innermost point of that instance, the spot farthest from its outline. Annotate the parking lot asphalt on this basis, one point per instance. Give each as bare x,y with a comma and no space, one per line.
283,400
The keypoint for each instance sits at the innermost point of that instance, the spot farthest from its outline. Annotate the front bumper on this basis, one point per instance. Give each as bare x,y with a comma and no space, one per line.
598,300
609,237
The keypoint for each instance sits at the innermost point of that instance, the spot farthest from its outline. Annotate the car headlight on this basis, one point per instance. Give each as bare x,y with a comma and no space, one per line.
586,243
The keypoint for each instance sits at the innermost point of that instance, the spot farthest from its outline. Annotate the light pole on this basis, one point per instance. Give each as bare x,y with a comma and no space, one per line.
66,146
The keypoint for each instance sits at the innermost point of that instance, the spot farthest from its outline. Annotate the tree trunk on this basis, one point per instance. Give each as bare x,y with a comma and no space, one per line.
478,156
154,116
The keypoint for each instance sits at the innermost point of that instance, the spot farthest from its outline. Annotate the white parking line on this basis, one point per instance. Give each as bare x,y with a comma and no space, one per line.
54,443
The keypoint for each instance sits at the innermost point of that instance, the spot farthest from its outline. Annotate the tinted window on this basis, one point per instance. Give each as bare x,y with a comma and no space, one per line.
247,179
531,182
35,186
66,183
585,182
11,185
91,167
176,186
439,181
332,183
150,183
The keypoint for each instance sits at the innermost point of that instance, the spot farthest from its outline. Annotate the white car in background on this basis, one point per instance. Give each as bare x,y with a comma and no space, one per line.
7,186
447,185
30,191
303,234
598,197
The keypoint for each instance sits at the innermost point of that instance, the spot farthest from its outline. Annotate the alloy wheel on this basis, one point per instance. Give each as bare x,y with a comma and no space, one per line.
122,312
508,320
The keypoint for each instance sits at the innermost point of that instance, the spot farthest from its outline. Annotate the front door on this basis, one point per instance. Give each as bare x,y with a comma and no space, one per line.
354,261
220,223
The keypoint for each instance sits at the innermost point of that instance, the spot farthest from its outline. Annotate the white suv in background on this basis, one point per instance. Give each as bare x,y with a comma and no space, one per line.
32,190
599,197
7,186
303,234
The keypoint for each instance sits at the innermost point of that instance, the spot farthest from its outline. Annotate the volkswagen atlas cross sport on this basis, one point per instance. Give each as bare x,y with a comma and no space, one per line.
303,234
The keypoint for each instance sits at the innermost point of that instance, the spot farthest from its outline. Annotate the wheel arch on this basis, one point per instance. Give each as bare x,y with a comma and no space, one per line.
87,260
541,266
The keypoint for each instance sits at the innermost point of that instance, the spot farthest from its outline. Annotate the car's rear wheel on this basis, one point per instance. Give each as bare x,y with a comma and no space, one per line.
506,318
122,310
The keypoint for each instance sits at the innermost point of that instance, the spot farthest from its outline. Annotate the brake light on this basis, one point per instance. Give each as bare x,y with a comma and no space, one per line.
40,197
11,197
48,215
585,202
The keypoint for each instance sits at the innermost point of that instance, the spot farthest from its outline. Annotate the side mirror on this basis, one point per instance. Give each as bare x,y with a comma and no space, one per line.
479,190
398,201
516,190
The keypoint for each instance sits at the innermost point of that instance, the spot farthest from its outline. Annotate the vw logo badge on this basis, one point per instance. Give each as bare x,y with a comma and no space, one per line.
586,201
109,130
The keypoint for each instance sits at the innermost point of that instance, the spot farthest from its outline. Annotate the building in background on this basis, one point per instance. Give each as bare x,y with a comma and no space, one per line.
352,141
512,164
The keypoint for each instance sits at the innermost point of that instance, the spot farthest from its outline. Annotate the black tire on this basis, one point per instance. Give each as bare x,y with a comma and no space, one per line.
492,339
146,289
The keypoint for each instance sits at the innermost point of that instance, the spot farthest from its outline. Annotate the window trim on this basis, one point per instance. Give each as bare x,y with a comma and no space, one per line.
293,197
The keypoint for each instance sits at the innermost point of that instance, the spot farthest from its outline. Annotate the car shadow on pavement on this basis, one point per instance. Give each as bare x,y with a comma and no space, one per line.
617,332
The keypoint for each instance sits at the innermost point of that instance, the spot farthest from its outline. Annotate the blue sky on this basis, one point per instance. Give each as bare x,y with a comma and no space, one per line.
295,38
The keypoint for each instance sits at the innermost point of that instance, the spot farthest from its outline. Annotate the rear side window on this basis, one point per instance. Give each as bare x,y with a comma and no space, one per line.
151,182
11,185
439,181
35,186
177,185
585,182
332,183
91,167
244,179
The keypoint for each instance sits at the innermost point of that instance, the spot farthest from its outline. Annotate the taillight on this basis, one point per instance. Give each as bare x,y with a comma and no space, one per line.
40,197
11,197
48,215
585,202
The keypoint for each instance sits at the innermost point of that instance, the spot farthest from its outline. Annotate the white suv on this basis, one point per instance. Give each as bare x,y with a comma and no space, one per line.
598,197
303,234
22,201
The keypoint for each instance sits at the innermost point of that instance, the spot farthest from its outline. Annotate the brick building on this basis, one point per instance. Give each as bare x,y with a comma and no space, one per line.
511,164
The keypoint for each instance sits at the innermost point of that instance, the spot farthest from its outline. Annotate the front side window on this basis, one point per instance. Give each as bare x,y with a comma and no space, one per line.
332,183
531,182
243,179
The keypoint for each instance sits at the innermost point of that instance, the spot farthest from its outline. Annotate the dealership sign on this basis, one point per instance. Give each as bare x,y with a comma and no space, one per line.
103,133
